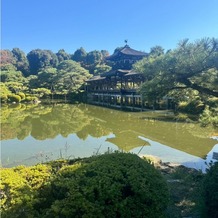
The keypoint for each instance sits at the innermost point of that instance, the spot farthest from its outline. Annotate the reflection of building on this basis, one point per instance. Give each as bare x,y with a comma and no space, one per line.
127,140
118,87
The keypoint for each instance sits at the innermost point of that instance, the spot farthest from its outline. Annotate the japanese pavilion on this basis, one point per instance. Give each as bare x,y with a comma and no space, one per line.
118,87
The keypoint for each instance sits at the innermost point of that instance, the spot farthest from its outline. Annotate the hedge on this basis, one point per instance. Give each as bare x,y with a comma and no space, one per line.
109,185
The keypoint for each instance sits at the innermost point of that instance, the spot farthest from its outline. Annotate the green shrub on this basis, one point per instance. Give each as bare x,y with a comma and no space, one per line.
193,107
210,186
22,95
110,185
209,116
19,190
3,98
212,102
31,99
14,98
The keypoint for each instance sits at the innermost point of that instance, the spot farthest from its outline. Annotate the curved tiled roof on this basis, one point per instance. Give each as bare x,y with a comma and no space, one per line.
129,51
126,50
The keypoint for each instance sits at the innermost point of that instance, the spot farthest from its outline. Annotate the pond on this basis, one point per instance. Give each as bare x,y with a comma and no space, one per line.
38,133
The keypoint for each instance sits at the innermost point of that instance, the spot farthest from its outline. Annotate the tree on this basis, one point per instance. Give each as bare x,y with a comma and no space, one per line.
21,63
39,59
189,66
6,57
62,55
104,53
70,77
9,73
5,92
12,76
156,51
93,59
101,68
80,55
47,78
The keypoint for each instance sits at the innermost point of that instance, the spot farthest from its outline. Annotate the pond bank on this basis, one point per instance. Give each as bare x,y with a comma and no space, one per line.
185,187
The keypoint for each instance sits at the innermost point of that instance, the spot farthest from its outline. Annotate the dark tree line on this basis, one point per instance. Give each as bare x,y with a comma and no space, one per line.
38,59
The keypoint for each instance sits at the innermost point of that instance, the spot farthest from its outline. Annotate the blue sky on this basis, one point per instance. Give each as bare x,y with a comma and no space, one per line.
105,24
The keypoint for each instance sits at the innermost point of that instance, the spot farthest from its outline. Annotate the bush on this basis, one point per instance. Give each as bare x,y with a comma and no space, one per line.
210,186
193,107
22,95
31,99
19,190
110,185
209,116
3,98
14,98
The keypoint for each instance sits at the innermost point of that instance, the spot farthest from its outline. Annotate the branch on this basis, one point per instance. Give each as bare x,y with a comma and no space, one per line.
201,89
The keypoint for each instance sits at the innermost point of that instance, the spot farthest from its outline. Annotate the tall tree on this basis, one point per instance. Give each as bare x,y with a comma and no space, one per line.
101,68
44,79
104,53
6,57
62,55
39,59
93,59
70,77
80,55
156,51
21,63
189,66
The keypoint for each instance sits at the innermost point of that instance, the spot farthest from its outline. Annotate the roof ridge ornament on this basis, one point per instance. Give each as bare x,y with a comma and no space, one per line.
126,41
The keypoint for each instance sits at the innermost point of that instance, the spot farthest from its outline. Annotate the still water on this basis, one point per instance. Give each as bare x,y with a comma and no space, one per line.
38,133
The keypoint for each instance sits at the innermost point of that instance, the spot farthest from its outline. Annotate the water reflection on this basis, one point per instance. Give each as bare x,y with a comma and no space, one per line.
32,134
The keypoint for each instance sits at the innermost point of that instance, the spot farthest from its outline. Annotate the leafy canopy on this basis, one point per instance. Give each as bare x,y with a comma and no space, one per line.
189,66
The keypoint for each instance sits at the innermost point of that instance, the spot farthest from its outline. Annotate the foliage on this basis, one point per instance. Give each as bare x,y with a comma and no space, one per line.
39,59
41,92
14,98
185,191
10,92
6,57
22,95
190,65
62,55
42,69
12,76
156,51
70,77
193,106
111,185
101,68
79,55
31,98
209,116
4,92
19,189
21,62
94,57
187,74
210,186
16,87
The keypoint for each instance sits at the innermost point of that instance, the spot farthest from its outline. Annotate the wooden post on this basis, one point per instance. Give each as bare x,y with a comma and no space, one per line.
142,103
